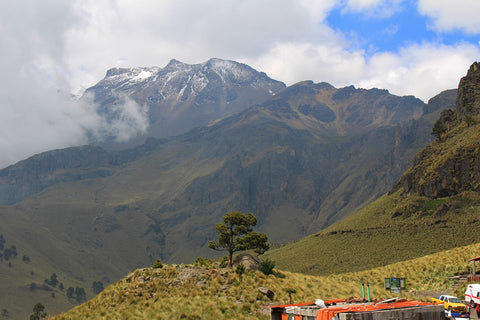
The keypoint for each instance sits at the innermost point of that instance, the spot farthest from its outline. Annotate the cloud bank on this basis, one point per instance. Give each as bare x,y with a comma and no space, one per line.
51,48
449,15
37,111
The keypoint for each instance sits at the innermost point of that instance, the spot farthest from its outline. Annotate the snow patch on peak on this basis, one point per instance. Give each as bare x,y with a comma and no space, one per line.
124,76
144,74
228,68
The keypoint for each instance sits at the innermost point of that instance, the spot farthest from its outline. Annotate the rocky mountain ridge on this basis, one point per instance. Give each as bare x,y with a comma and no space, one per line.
183,96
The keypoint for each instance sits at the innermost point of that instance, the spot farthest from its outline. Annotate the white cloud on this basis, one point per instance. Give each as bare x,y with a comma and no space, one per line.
318,9
363,4
376,8
152,32
421,70
132,120
294,62
448,15
37,112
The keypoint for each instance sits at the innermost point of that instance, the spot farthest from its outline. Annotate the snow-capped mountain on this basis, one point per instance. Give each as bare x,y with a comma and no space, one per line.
183,96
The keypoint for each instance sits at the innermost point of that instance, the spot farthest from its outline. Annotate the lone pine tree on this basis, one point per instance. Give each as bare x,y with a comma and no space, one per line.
235,234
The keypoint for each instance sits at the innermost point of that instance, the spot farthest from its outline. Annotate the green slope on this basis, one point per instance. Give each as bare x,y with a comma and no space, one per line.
208,292
391,229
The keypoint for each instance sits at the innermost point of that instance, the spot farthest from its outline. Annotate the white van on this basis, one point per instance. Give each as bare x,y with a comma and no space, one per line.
472,294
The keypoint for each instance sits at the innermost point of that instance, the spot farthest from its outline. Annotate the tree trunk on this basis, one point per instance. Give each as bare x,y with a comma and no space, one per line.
230,255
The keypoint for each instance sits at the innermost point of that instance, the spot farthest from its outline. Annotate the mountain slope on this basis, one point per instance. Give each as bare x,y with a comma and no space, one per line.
300,161
434,206
181,96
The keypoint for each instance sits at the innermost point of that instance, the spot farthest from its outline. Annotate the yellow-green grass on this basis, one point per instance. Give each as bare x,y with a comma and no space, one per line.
208,292
389,230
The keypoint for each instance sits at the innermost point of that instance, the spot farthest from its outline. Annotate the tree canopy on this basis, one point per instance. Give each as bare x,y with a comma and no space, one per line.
236,234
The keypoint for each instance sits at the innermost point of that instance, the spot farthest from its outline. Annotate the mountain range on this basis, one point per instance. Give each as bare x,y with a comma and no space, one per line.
300,158
181,96
433,208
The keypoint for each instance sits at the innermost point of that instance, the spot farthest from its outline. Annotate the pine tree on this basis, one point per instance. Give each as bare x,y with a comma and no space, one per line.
235,234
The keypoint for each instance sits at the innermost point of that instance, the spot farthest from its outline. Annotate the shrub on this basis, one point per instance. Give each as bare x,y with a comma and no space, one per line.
223,262
97,286
70,292
80,294
157,264
240,270
266,266
38,312
52,281
200,262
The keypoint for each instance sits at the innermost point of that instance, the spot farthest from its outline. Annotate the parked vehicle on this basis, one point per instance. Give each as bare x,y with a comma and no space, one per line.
472,294
450,303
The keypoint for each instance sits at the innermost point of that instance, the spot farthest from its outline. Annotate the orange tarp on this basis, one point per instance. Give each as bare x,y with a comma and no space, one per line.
329,313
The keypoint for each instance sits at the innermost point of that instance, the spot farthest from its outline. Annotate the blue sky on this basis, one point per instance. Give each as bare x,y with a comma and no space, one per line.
405,26
54,48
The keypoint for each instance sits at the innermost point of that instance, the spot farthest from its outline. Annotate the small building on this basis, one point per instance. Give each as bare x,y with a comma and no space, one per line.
342,310
474,276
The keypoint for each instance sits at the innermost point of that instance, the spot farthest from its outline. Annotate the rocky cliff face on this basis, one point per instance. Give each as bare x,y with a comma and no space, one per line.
30,176
468,98
38,172
451,164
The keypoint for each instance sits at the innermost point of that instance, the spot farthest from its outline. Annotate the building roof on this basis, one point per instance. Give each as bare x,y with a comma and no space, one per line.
327,302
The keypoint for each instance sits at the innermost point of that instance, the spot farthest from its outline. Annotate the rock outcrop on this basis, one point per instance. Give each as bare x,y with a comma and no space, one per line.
468,97
451,164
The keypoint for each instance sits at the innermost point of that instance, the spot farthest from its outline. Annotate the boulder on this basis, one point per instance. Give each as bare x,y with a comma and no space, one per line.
247,260
265,291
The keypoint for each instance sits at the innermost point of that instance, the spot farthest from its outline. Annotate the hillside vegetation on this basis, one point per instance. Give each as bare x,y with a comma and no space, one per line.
205,291
434,207
391,229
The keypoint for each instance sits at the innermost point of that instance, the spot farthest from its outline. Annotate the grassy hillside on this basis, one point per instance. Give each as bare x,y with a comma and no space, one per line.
209,292
434,207
390,229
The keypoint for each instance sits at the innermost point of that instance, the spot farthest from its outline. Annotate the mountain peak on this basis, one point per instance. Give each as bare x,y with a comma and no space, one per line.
230,69
175,64
182,96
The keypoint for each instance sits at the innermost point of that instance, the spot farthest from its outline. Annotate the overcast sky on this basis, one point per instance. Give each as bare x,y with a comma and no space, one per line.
51,48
